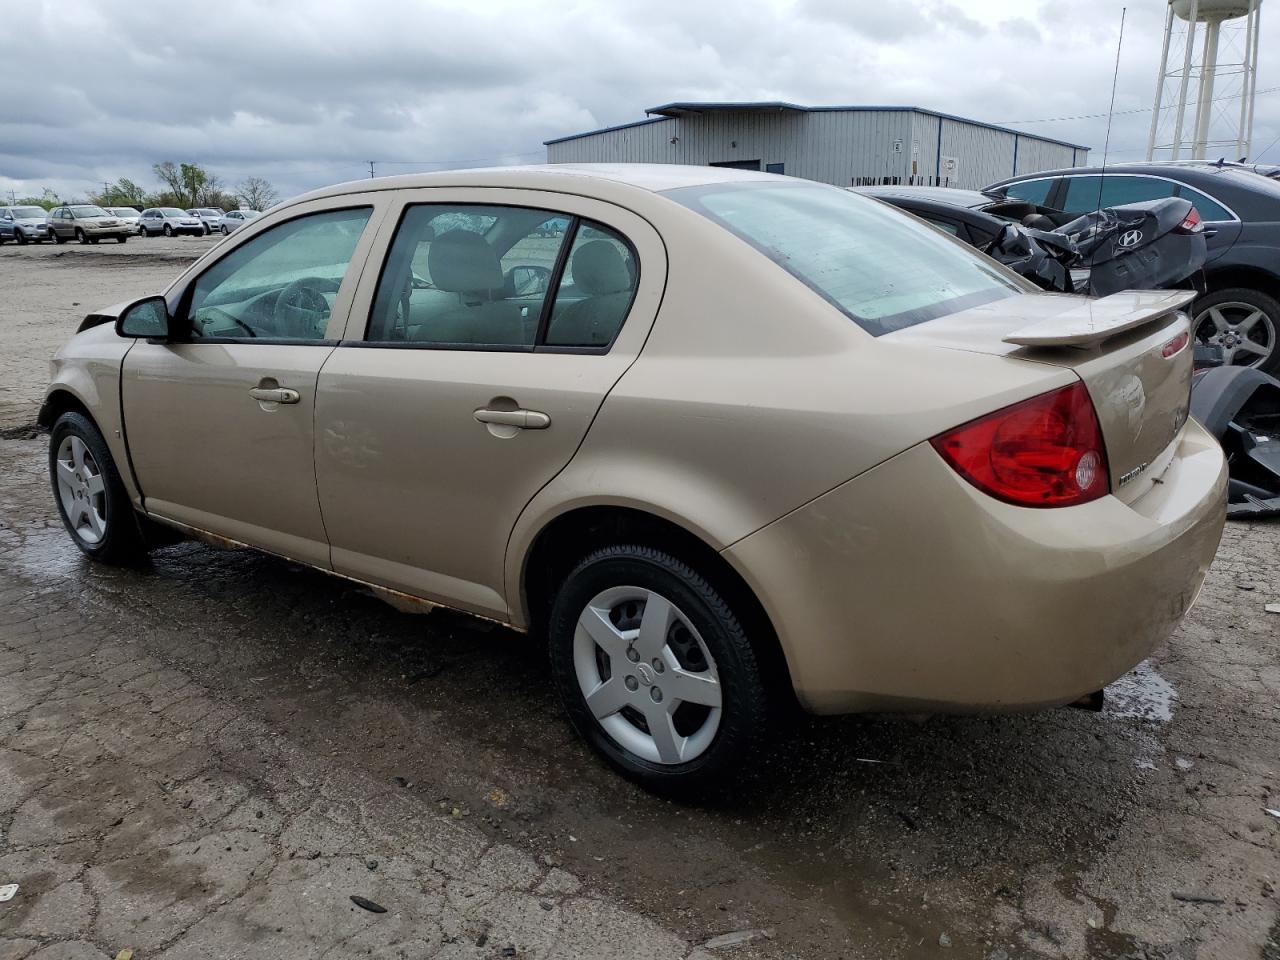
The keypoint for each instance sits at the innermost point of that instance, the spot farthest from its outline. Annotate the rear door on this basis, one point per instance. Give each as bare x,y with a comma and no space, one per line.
463,387
220,421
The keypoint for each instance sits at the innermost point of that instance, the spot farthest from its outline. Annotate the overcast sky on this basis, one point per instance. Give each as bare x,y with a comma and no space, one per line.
304,93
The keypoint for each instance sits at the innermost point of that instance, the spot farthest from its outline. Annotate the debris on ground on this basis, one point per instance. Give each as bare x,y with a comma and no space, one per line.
736,939
7,891
944,940
125,954
1272,608
1195,898
366,904
1274,813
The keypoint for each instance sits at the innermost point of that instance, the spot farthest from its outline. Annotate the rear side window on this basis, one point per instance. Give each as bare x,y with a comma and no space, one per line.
1033,191
1086,194
495,277
596,290
883,270
1208,209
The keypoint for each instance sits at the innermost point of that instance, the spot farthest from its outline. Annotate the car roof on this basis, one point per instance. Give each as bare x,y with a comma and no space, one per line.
949,195
650,177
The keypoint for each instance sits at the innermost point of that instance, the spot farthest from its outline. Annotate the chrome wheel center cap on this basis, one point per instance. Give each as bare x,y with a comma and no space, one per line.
645,674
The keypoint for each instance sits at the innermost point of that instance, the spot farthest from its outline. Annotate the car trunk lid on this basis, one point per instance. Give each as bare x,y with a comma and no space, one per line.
1129,350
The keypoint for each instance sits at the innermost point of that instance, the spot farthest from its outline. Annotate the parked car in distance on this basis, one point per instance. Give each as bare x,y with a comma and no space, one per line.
209,216
969,215
85,222
128,214
234,219
726,440
169,221
1240,309
24,224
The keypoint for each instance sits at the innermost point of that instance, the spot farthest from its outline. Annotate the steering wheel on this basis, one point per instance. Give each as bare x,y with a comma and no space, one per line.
300,310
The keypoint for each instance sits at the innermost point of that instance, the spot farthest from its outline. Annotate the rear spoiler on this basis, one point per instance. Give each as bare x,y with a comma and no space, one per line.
1092,321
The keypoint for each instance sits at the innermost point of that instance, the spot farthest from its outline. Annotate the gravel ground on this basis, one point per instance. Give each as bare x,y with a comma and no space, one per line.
201,758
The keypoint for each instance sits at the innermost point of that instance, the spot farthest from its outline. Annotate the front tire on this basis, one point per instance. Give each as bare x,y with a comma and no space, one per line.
122,239
168,230
1245,322
21,237
655,670
80,236
91,497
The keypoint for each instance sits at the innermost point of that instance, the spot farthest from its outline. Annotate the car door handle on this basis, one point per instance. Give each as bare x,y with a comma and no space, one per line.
274,395
524,419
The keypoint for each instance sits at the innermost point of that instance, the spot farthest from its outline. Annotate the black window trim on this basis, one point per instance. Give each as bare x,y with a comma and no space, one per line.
548,303
184,303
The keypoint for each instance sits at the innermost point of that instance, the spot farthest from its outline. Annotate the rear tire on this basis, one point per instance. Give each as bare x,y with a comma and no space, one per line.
91,498
714,711
225,231
56,237
1239,315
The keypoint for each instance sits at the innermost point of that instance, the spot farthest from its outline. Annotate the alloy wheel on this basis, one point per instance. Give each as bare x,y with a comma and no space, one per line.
82,490
647,676
1245,333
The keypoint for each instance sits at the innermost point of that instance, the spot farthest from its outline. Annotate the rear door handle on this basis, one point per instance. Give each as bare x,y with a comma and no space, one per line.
524,419
274,395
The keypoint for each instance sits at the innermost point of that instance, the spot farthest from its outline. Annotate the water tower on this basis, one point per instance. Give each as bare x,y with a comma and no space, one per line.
1221,125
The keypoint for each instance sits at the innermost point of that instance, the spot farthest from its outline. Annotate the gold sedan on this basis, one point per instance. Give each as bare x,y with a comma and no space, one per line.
722,438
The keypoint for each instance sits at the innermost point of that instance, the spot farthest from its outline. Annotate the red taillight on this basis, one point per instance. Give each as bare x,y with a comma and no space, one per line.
1192,223
1175,345
1043,452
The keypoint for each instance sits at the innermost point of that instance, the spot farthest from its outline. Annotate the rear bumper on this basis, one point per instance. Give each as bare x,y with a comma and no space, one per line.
908,589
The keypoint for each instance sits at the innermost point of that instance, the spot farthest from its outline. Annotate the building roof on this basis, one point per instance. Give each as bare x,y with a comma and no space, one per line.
671,111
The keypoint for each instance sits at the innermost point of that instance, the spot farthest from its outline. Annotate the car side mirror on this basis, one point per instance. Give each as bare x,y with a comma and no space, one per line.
527,281
148,317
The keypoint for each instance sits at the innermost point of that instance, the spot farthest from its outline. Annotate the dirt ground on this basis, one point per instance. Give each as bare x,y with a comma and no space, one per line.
202,758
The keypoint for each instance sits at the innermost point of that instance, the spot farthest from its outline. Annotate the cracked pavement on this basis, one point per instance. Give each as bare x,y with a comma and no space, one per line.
202,758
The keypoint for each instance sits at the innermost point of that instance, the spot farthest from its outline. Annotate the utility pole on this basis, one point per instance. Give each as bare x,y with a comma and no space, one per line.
371,162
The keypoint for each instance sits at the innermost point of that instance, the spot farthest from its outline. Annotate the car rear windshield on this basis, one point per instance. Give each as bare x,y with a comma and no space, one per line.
884,270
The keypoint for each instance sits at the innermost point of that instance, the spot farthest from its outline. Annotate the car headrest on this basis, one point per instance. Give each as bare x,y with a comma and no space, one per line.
460,261
598,268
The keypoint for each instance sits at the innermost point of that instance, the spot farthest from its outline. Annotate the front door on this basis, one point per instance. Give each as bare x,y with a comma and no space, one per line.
475,363
219,421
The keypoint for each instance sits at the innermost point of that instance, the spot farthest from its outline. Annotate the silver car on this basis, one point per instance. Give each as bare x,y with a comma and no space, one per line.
85,222
23,224
128,214
211,217
169,221
234,219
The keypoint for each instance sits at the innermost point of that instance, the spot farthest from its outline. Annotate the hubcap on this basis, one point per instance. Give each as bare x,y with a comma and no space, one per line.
1245,333
647,676
81,490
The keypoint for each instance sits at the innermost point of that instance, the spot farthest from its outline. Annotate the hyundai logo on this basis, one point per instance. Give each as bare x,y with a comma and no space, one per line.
1130,238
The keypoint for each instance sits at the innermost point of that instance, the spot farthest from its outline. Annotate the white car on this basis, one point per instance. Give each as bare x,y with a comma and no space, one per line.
169,221
233,219
24,224
211,217
129,214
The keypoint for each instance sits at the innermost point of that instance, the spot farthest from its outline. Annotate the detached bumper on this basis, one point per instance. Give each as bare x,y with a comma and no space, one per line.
908,589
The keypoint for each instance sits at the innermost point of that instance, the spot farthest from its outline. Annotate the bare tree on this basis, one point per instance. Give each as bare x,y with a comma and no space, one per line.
169,174
256,193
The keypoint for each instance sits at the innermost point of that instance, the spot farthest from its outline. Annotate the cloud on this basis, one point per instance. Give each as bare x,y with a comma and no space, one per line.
305,93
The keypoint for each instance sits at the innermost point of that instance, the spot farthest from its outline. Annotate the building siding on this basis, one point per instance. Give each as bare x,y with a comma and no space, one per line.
844,147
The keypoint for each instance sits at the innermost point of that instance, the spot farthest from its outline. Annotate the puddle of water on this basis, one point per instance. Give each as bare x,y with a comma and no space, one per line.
1141,694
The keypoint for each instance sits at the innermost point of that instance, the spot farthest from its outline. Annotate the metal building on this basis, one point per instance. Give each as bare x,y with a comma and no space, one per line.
849,146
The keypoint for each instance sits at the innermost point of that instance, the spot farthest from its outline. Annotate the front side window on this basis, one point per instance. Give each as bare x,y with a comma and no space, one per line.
280,285
468,274
881,269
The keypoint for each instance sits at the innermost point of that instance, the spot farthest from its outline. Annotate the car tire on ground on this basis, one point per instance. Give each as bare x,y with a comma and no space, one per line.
225,231
21,237
80,235
55,236
1246,322
663,624
168,230
122,238
90,495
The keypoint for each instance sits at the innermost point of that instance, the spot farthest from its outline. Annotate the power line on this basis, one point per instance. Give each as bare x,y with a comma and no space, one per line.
1118,113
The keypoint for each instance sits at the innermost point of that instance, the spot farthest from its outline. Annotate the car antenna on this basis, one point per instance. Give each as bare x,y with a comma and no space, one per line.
1115,80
